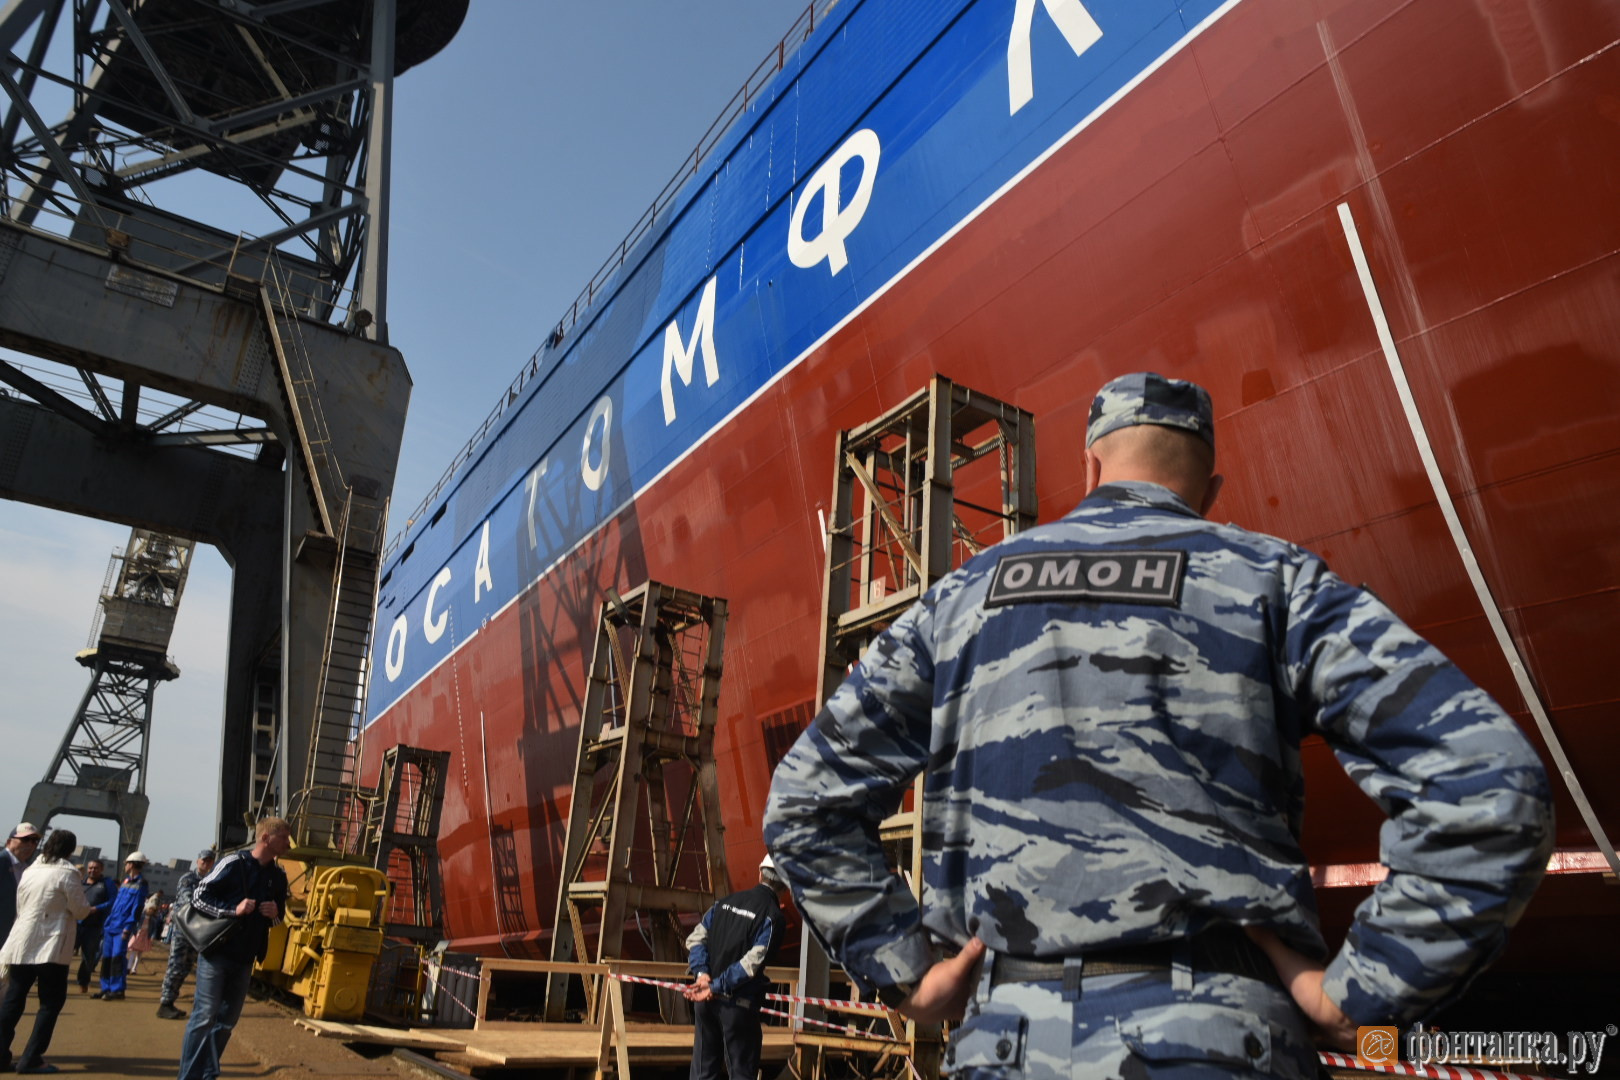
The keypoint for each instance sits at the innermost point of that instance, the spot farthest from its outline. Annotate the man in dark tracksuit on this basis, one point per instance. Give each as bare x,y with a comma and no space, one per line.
99,894
728,953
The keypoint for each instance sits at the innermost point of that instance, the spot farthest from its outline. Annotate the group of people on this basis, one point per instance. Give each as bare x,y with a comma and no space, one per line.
50,909
124,922
1107,712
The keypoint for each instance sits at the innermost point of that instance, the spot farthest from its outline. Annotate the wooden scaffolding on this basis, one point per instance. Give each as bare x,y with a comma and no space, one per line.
644,841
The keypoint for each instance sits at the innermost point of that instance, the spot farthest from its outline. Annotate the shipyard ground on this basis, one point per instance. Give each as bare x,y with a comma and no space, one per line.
115,1039
100,1040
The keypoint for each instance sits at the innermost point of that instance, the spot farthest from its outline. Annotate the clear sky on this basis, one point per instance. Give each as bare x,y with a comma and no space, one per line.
522,155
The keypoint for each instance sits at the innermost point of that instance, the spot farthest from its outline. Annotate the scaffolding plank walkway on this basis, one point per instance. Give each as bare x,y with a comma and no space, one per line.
568,1046
411,1038
538,1045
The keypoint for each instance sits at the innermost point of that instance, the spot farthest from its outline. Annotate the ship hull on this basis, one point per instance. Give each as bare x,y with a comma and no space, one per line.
1206,223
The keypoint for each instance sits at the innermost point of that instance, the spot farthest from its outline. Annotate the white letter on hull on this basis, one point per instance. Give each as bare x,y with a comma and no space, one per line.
1079,29
678,355
836,223
534,489
595,477
394,657
433,629
482,582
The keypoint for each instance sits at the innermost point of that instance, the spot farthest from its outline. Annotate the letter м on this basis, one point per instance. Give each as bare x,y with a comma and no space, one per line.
678,355
1052,575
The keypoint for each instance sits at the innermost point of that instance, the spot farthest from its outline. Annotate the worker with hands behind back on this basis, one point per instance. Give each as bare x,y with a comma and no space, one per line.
728,952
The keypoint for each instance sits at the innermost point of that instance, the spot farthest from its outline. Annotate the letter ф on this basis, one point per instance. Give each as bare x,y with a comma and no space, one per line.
837,223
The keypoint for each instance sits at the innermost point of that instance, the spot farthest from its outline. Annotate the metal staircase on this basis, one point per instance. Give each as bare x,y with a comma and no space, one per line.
322,474
331,814
331,811
644,833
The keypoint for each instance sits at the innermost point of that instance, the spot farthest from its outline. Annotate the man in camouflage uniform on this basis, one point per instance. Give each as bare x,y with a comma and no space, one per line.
1107,711
181,955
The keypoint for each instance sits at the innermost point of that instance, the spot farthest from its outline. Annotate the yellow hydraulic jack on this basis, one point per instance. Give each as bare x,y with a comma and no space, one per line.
325,948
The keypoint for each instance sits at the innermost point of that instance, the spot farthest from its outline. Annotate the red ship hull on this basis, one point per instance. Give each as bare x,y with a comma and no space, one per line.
1192,229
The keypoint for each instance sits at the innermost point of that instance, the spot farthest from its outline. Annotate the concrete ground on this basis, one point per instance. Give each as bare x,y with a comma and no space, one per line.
116,1039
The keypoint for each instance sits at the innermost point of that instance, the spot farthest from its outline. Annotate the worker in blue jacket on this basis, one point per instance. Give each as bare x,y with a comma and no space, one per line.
120,926
727,952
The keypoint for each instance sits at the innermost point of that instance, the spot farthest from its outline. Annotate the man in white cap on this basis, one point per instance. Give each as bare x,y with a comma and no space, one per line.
18,853
120,926
728,952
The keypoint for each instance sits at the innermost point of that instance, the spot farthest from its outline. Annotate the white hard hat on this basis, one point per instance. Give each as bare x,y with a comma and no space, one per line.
137,857
767,863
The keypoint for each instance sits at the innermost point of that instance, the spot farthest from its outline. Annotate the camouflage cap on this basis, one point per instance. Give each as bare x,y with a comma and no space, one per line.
1144,397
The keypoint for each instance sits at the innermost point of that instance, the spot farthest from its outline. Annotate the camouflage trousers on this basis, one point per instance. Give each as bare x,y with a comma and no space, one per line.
181,957
1146,1026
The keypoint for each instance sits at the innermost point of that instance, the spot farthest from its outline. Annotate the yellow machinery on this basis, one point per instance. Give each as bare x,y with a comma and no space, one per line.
325,947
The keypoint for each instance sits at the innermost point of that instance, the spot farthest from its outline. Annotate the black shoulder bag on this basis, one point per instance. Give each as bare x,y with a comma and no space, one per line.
201,930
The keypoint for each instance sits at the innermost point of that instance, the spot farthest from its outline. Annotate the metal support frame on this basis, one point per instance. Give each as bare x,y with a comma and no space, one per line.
99,770
291,101
108,271
404,822
644,838
914,496
223,345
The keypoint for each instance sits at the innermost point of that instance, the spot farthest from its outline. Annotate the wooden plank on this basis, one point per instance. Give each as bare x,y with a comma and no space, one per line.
417,1038
579,1047
481,1010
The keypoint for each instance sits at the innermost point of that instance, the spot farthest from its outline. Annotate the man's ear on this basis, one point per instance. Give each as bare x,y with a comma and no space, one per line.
1093,471
1211,493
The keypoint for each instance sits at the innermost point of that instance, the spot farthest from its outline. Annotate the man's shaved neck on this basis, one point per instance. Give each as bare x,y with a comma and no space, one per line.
1176,459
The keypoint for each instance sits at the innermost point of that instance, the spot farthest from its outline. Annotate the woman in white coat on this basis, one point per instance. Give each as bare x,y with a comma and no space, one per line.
50,901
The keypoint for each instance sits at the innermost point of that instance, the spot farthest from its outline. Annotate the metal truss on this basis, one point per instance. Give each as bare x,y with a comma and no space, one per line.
106,741
289,100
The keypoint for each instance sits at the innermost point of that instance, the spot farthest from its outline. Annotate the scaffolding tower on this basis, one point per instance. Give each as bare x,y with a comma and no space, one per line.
99,771
644,841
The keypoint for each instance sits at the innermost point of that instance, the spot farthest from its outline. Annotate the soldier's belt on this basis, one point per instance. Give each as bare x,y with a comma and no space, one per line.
1214,953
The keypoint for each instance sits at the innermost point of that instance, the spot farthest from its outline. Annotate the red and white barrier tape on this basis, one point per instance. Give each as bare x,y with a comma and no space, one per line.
649,982
1435,1072
846,1028
836,1003
831,1003
428,971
